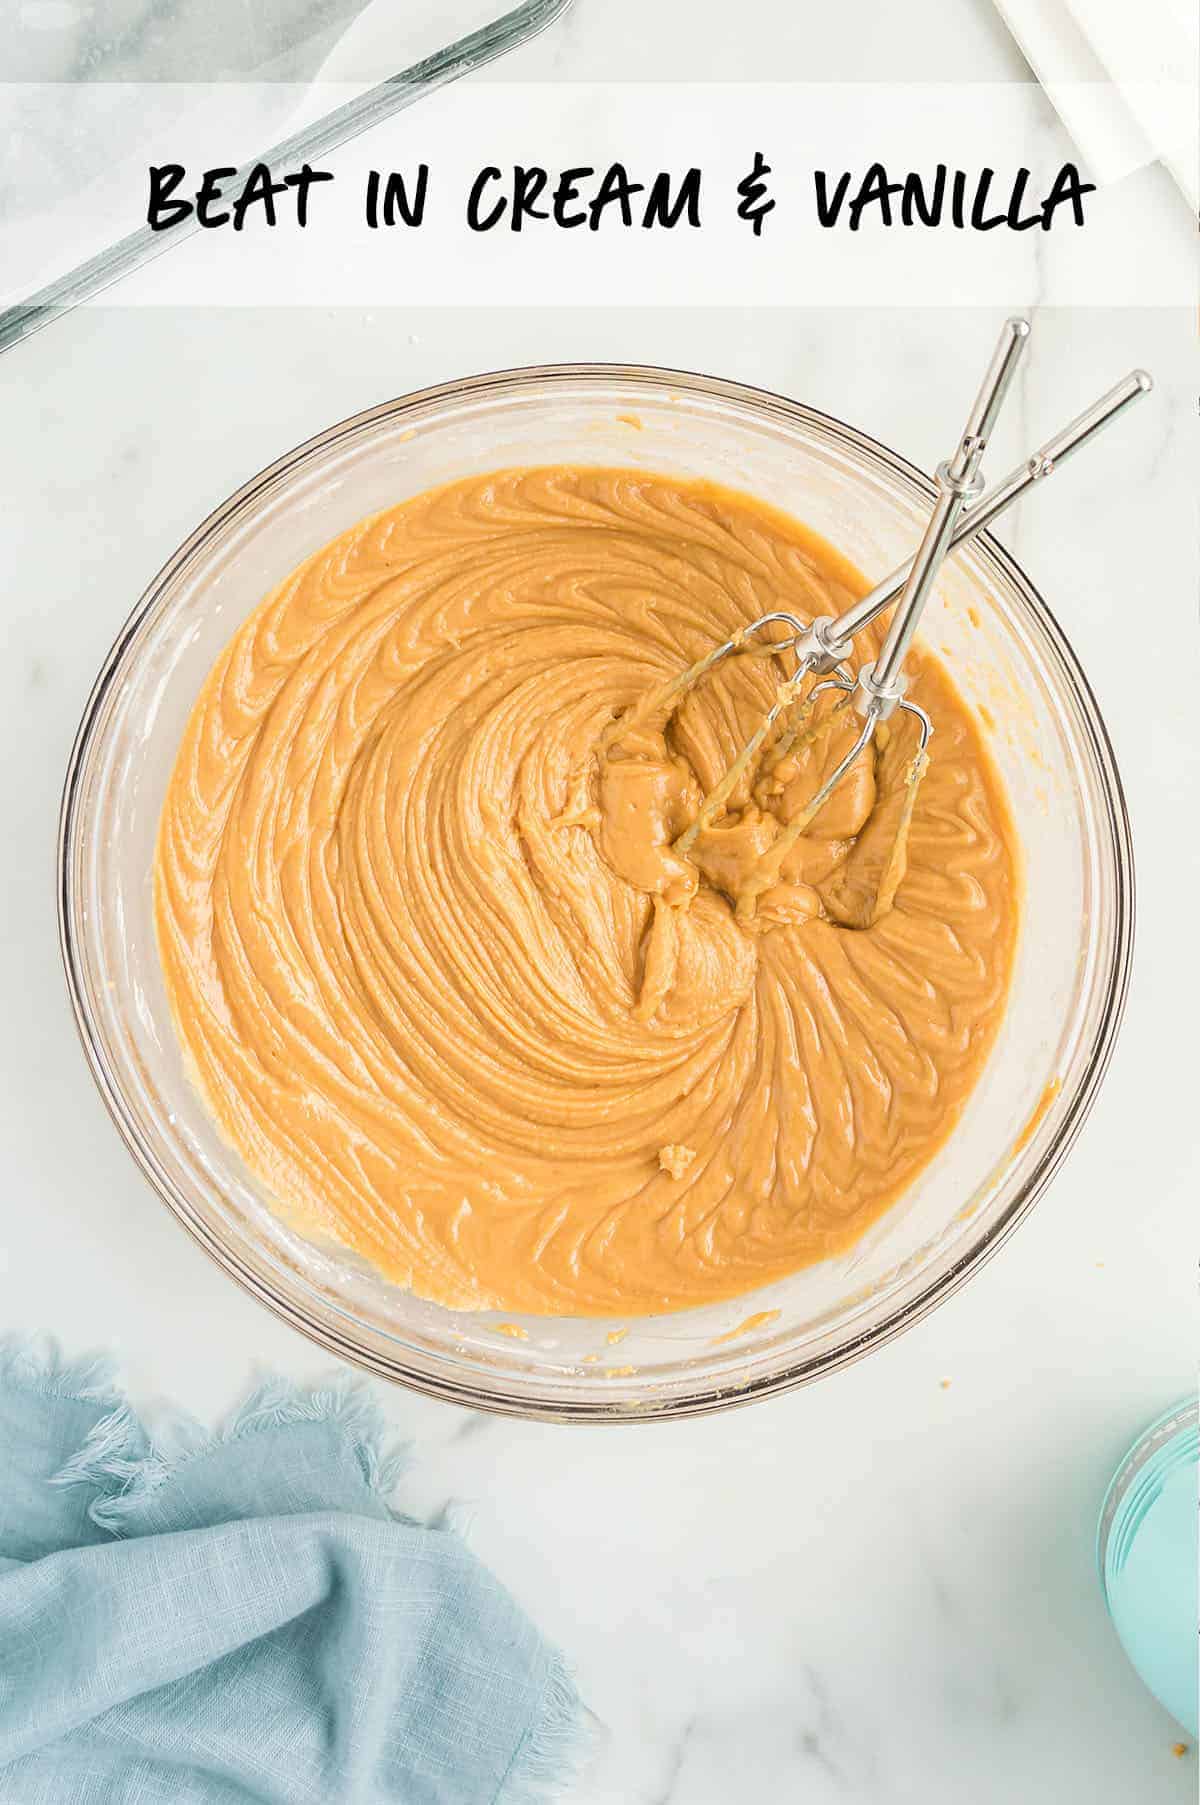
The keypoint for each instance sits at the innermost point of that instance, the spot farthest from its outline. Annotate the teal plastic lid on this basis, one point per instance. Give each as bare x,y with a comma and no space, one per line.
1149,1559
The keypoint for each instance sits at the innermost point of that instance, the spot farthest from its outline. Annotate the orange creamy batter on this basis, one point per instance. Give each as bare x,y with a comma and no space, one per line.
441,978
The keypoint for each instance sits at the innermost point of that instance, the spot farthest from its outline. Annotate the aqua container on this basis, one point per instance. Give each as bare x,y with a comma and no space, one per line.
1149,1561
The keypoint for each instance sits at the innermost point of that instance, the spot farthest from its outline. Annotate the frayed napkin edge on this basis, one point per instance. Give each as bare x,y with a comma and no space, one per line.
558,1751
126,1466
36,1363
119,1459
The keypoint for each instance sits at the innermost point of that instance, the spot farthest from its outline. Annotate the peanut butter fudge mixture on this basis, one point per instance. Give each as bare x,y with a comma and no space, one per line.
442,979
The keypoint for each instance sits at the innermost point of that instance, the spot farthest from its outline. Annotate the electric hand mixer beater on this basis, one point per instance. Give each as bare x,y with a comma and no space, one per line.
879,690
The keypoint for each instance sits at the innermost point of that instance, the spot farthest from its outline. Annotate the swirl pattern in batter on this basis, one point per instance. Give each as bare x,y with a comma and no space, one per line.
412,920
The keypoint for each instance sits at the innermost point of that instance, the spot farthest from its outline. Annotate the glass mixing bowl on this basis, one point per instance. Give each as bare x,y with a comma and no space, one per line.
1013,665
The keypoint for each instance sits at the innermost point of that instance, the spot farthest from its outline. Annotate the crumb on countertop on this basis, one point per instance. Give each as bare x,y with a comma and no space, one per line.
945,1383
676,1159
1179,1750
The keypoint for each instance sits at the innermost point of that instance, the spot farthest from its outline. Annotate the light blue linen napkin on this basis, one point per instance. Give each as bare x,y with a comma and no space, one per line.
248,1620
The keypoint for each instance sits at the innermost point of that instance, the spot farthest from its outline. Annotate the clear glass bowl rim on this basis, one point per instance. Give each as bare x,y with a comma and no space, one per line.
275,1290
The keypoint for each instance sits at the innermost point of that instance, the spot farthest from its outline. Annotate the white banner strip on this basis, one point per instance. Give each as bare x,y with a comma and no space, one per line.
503,194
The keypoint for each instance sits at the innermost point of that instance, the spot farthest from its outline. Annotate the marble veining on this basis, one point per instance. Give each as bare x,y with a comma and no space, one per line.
161,40
598,40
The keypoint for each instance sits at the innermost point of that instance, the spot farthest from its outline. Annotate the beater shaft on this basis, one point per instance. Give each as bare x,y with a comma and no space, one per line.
978,516
881,684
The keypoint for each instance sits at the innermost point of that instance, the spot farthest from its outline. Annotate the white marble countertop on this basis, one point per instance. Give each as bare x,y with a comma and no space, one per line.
880,1589
598,40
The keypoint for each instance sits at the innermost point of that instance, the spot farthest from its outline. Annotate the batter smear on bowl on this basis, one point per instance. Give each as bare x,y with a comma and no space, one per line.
444,981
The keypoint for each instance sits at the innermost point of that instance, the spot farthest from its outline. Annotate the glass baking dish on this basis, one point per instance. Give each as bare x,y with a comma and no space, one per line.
1012,662
73,208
